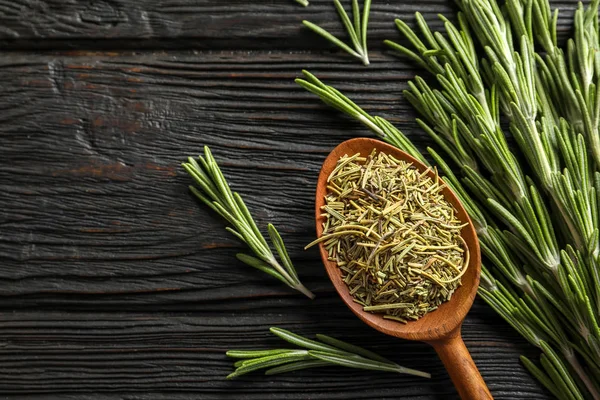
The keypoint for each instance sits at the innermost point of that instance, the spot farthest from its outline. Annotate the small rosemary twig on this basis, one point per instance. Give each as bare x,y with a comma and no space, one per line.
215,192
327,352
357,29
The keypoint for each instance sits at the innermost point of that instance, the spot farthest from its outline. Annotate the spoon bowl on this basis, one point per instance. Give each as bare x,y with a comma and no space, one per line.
440,328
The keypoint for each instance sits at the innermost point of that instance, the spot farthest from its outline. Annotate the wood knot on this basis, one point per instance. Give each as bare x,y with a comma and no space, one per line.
102,13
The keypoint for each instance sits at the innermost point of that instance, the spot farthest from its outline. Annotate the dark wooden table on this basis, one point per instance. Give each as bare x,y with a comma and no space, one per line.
115,282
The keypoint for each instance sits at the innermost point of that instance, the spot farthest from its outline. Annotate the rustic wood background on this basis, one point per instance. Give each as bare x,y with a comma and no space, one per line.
115,282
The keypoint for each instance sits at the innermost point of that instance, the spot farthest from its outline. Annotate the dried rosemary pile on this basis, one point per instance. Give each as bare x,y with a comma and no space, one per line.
393,234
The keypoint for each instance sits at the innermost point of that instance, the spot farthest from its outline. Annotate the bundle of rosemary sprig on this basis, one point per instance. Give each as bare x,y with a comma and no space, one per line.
215,192
540,234
327,351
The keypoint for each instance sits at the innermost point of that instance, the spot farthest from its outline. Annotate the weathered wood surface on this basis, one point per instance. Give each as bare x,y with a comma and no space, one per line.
204,24
115,282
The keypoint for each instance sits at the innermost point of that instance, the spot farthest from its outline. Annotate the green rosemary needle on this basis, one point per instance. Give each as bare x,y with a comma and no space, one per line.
214,191
302,2
326,352
357,29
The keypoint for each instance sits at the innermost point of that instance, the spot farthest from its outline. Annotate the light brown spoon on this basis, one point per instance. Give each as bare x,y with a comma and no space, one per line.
440,328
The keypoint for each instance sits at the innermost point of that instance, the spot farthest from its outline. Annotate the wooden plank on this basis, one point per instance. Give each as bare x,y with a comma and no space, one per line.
181,355
116,283
91,153
274,24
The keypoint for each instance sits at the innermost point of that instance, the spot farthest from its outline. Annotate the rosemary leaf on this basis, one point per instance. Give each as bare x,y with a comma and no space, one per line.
281,250
350,348
295,366
540,376
304,342
356,19
255,353
363,29
320,31
288,355
365,364
347,23
260,265
271,362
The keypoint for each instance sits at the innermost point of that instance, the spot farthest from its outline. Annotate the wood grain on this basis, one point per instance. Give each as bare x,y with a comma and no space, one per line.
109,355
238,24
115,282
462,369
82,132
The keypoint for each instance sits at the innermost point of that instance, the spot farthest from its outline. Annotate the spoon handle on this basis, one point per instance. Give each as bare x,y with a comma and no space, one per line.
461,368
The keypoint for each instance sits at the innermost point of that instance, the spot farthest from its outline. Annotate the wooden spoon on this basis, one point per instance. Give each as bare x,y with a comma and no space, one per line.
440,328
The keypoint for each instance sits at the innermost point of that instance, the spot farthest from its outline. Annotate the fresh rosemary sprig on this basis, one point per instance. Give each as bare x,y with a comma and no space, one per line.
380,126
326,352
214,191
357,29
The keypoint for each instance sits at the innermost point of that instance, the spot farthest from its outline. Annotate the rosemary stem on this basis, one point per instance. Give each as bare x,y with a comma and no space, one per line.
302,289
410,371
366,121
595,145
365,59
292,282
572,359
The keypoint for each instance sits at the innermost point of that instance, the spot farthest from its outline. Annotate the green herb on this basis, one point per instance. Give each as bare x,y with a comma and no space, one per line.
393,235
302,2
357,29
539,234
326,352
384,129
214,191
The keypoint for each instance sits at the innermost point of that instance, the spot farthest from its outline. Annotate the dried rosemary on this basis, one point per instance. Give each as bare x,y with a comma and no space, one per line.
393,234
